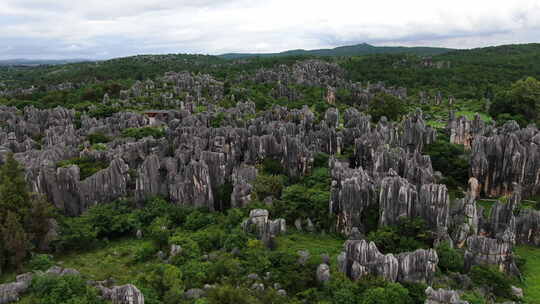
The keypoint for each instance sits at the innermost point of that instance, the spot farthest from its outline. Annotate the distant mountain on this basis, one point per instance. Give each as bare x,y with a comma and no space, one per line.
352,50
34,62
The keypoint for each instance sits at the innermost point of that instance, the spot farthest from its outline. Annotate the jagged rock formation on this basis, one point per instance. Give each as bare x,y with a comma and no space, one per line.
265,229
11,292
443,296
482,250
363,258
125,294
465,219
463,131
510,156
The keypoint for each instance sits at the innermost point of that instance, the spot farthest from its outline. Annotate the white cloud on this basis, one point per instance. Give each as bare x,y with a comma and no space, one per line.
109,28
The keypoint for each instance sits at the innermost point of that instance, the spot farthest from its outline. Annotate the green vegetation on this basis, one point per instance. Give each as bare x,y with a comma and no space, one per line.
521,103
139,133
531,273
452,161
408,235
87,166
24,218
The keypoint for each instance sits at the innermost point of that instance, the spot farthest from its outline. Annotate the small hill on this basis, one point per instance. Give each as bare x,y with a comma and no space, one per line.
351,50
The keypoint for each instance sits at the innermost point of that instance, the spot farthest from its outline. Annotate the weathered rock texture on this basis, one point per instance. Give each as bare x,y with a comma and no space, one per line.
363,258
443,296
265,229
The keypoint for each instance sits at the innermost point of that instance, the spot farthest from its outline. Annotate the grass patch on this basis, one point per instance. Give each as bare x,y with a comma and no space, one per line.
115,260
470,115
87,166
316,244
531,273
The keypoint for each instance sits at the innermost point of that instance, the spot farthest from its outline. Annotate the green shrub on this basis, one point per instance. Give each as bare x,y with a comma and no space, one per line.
408,235
268,185
145,253
198,220
190,248
97,138
69,289
41,262
99,147
489,277
230,295
87,166
159,232
392,293
450,259
272,166
139,133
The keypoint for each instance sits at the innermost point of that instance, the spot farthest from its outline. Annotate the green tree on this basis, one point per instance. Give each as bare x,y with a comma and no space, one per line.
392,293
520,103
14,195
15,240
386,105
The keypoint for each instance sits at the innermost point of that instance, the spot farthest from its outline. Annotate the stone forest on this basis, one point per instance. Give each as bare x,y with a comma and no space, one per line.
384,178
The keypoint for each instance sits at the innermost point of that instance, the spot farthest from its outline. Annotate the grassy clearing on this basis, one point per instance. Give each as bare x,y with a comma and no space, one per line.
470,115
316,244
531,273
113,261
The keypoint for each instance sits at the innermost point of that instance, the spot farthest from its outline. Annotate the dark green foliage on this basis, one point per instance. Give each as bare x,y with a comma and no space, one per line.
24,218
230,295
165,280
216,121
223,198
41,262
272,166
387,105
307,199
159,231
408,235
268,185
392,293
145,253
488,277
111,220
450,259
198,219
87,166
520,103
97,138
102,111
417,292
14,194
139,133
451,160
321,160
69,289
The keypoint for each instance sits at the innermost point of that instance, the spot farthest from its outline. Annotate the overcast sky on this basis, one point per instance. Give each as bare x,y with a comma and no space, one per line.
97,29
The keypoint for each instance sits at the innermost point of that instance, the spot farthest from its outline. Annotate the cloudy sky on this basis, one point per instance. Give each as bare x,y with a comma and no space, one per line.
54,29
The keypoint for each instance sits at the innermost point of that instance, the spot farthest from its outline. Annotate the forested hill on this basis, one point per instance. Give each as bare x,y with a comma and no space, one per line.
351,50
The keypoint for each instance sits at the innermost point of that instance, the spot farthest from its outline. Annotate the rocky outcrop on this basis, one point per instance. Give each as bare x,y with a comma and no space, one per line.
125,294
363,258
463,131
528,227
465,219
259,224
418,266
443,296
510,156
11,292
352,193
482,250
